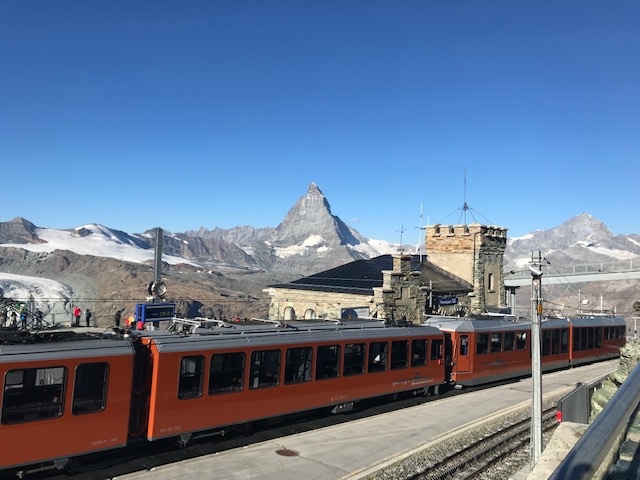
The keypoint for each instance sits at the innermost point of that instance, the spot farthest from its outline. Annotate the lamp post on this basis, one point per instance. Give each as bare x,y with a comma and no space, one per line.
536,364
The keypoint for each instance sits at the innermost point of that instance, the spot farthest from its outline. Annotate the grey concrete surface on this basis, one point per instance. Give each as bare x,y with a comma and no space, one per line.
356,449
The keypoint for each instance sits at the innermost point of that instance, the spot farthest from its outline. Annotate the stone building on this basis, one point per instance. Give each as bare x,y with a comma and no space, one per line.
474,253
462,276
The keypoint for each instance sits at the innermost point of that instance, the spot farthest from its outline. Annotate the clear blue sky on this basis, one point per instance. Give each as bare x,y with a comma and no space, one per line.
181,114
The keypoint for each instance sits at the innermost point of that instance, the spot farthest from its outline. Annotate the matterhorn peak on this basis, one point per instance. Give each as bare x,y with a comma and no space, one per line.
313,189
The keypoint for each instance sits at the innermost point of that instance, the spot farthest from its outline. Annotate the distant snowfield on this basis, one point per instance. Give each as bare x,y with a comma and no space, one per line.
100,242
22,287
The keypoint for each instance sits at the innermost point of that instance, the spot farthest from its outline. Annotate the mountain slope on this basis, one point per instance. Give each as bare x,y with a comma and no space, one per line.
581,239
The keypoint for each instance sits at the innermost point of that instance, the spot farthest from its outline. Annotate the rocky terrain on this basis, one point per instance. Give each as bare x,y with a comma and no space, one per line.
222,273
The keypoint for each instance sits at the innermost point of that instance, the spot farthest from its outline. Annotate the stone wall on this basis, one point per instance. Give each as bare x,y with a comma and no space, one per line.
474,253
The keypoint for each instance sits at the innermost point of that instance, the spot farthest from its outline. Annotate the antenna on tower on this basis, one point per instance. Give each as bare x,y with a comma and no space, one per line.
420,235
401,232
466,208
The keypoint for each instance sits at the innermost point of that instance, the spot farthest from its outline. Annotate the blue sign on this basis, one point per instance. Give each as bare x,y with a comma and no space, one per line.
155,312
448,301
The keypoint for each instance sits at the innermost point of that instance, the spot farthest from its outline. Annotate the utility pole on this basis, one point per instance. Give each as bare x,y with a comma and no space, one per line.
536,363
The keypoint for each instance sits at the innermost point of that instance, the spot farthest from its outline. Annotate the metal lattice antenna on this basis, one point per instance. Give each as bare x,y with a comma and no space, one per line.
465,207
401,232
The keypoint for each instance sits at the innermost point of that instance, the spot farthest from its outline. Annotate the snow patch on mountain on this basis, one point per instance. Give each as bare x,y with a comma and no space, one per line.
305,247
24,288
96,240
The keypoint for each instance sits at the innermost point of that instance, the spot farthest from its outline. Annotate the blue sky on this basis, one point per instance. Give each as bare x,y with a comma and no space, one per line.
137,114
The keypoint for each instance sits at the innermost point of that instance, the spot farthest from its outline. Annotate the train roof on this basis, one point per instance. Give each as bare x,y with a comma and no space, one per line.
597,321
166,342
491,323
80,348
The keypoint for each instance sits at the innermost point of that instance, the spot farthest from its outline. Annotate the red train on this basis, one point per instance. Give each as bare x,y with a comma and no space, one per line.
67,397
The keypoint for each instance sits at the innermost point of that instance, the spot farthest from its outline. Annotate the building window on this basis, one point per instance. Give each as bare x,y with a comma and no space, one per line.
289,313
309,314
491,283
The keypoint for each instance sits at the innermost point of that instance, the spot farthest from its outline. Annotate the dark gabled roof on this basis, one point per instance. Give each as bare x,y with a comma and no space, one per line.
361,276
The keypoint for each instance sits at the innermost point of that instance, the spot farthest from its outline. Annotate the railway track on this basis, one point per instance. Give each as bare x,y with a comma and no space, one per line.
483,454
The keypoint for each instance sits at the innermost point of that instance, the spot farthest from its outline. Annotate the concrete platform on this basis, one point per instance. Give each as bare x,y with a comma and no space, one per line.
357,449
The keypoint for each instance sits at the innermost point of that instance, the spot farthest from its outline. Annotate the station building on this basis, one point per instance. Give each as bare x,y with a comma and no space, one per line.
461,274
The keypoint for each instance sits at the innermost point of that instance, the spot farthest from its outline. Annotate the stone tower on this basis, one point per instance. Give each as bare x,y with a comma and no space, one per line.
474,253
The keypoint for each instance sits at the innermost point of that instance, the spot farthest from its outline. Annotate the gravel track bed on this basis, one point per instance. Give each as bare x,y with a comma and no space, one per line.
431,455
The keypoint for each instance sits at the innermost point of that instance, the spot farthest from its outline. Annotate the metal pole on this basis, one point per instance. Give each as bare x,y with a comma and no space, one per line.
536,363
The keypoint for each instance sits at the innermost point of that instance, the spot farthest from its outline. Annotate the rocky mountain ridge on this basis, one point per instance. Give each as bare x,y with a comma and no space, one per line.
224,271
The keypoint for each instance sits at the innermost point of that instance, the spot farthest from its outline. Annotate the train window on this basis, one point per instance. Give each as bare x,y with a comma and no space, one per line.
33,394
546,342
265,369
328,362
436,349
378,356
354,358
606,333
583,338
297,365
598,337
576,339
555,341
509,341
464,345
418,352
496,342
227,373
399,354
620,332
592,332
90,389
482,343
521,340
190,382
564,340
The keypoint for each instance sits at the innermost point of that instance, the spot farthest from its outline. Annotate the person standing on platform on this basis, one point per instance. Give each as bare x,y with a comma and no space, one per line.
87,316
14,319
23,318
117,316
77,313
38,319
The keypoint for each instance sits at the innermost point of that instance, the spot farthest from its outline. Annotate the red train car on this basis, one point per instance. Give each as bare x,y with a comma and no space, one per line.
596,338
55,402
498,348
212,381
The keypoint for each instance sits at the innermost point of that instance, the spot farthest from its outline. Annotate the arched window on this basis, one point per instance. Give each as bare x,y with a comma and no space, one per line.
289,313
310,313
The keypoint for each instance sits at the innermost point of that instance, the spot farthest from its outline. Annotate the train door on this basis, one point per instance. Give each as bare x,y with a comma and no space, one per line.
463,353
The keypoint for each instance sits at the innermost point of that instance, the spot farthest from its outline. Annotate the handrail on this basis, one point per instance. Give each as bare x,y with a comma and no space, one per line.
587,455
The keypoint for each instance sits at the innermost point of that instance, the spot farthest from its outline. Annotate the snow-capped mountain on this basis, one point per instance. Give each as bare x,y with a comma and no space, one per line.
308,240
581,239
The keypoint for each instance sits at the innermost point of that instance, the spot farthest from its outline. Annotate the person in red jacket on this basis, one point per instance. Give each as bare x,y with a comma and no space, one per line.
77,313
